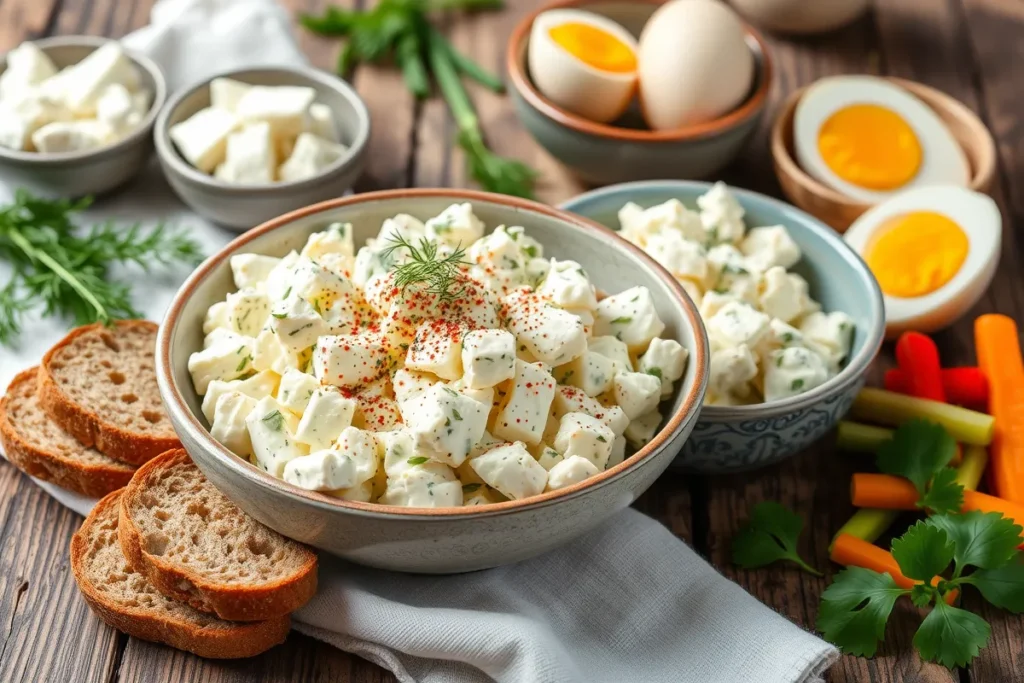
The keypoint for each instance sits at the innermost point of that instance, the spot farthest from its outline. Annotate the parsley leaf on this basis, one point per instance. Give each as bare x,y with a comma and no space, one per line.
855,609
983,539
951,636
417,460
1003,587
944,494
918,449
770,535
924,551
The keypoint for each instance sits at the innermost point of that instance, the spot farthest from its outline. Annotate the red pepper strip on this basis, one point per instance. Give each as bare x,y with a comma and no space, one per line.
917,355
963,386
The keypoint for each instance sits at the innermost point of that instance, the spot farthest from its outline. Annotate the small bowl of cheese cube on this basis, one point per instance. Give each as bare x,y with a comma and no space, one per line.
76,115
252,144
432,380
793,315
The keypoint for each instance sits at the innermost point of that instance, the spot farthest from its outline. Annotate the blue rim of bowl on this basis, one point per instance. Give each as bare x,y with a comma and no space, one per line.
168,151
855,367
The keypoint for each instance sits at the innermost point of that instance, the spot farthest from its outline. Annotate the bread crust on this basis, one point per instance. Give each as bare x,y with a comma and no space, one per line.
85,424
89,479
241,640
230,602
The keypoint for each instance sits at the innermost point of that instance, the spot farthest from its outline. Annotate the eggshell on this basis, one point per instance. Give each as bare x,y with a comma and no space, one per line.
801,16
570,83
979,218
694,64
943,159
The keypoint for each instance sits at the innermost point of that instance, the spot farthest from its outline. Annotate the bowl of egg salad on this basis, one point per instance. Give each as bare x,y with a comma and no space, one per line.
793,315
432,380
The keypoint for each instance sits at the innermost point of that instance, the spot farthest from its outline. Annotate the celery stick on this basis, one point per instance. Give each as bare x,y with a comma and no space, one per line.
861,438
888,408
968,474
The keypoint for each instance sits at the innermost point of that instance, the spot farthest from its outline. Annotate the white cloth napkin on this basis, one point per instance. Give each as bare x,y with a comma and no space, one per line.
627,602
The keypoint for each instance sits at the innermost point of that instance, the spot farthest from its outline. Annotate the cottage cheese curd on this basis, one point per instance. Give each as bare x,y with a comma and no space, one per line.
412,372
769,339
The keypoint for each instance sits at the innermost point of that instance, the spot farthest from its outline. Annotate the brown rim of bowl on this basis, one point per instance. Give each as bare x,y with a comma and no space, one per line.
515,60
175,402
981,177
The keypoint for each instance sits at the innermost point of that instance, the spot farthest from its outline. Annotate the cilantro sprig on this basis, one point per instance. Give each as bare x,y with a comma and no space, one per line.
770,536
920,451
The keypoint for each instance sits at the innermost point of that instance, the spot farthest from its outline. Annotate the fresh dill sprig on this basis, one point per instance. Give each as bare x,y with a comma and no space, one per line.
64,272
424,266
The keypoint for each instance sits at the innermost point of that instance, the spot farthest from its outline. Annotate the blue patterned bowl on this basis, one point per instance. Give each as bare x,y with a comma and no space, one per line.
732,439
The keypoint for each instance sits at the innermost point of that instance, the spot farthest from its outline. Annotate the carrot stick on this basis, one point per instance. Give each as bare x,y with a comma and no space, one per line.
888,408
883,491
851,551
999,357
962,386
975,500
918,356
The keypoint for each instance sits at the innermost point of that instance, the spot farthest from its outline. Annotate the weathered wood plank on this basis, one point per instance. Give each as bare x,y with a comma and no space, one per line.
20,20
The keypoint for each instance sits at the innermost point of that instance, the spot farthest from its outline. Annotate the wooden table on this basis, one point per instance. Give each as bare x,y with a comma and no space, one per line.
971,49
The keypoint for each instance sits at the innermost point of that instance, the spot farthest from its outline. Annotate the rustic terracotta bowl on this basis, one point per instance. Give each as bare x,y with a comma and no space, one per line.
439,540
838,210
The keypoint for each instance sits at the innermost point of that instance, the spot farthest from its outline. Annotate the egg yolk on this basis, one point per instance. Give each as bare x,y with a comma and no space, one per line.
594,47
870,146
916,253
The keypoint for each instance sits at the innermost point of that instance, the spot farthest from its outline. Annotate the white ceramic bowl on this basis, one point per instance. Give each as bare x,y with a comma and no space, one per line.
439,540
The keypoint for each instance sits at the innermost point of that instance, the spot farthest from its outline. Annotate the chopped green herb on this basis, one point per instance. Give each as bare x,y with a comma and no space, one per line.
656,372
624,320
274,420
797,385
417,460
455,414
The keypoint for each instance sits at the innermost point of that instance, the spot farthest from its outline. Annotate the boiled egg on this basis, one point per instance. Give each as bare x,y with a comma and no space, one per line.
869,138
694,64
583,62
933,251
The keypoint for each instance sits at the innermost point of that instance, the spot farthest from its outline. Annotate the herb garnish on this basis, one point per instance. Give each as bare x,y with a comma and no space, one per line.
425,267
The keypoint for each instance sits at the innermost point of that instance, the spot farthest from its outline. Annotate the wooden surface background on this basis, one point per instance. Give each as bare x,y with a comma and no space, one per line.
971,49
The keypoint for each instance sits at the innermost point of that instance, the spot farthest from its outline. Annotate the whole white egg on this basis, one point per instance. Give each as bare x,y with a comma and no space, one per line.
933,251
694,64
869,138
583,62
801,16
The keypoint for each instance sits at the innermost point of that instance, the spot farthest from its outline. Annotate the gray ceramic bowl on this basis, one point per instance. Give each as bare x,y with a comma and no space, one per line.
600,153
730,439
244,206
95,171
445,539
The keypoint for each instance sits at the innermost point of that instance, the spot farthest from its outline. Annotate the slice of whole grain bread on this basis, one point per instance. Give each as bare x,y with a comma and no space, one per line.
128,602
99,385
38,447
198,547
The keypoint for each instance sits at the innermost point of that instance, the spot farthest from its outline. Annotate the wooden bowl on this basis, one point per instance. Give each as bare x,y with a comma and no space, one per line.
838,210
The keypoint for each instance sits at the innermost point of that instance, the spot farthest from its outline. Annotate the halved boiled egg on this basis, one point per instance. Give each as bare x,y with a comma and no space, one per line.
869,138
933,251
583,62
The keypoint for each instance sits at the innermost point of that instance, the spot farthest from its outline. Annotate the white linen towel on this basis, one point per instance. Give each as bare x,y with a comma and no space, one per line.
627,602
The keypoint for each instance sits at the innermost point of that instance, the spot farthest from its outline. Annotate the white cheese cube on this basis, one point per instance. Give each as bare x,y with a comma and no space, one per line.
573,400
721,215
592,372
228,424
437,348
279,281
636,393
336,239
566,285
364,450
361,493
730,273
295,390
618,451
269,354
285,108
400,451
259,385
121,109
833,331
22,116
730,370
512,471
771,246
321,471
225,93
350,360
780,296
321,122
666,360
250,158
694,290
27,66
639,224
71,136
408,383
228,359
455,226
252,270
613,349
445,424
641,430
376,411
402,225
488,358
310,155
485,396
203,137
793,371
629,316
502,257
272,431
296,324
549,457
735,324
86,80
712,302
326,415
550,334
681,257
580,434
572,470
524,411
478,493
316,283
430,485
247,311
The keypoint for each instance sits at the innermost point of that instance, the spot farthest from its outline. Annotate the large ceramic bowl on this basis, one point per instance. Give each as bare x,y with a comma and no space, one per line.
442,539
730,439
627,150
